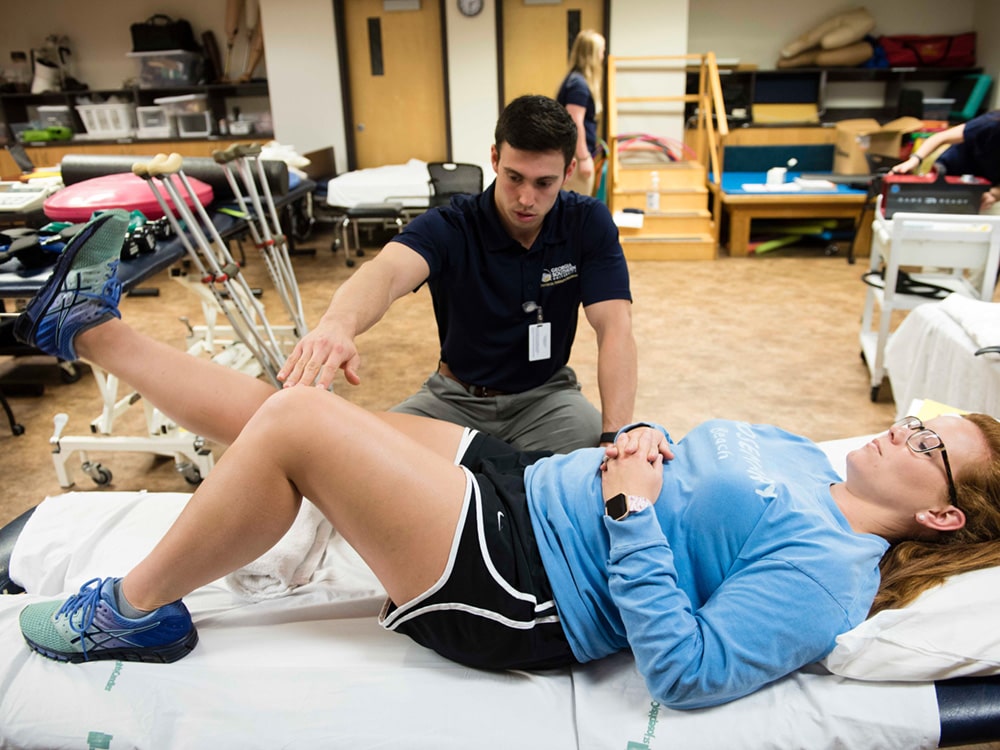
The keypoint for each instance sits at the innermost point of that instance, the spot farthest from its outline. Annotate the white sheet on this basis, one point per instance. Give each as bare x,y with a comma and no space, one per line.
931,355
407,183
314,670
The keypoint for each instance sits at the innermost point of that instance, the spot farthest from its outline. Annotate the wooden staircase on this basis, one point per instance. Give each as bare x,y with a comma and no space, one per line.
686,224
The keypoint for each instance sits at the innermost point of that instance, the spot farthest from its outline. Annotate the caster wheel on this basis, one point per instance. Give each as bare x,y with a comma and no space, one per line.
101,476
17,429
359,253
69,372
350,263
190,472
874,393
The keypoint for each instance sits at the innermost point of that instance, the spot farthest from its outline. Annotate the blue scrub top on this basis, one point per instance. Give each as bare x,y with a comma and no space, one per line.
480,279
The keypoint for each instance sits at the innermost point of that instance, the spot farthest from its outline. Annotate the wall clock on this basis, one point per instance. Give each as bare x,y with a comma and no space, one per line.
470,7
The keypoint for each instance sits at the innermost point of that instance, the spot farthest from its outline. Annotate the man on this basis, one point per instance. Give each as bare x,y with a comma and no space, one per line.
508,271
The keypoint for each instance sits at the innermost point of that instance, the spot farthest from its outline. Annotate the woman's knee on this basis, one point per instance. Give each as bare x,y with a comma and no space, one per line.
289,413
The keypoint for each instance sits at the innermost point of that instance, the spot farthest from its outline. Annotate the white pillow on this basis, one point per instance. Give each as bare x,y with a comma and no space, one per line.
952,630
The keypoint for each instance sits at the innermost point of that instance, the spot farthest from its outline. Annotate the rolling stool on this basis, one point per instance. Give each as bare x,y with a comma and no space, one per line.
367,213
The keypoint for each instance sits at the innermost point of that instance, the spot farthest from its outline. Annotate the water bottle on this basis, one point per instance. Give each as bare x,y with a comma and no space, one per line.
653,194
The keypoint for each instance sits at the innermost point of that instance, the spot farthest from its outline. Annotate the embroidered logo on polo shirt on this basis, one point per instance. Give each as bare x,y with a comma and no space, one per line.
559,274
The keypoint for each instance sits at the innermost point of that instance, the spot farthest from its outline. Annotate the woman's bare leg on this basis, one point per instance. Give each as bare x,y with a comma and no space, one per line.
200,395
395,495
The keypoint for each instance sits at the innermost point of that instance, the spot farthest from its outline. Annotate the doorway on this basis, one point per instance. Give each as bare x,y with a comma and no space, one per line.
396,82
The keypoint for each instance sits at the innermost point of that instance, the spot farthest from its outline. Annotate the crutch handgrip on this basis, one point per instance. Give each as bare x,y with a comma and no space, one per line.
141,169
226,156
162,167
247,149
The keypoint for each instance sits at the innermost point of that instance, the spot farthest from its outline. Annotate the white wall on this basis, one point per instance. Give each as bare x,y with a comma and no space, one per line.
472,83
304,76
987,17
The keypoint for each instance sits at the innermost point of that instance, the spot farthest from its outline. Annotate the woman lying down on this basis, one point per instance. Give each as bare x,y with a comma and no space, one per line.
723,562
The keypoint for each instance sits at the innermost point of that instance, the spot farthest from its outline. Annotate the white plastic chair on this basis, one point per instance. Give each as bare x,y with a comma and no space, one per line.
959,252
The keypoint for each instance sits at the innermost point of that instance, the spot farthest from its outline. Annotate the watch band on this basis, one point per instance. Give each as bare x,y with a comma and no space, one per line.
621,506
607,437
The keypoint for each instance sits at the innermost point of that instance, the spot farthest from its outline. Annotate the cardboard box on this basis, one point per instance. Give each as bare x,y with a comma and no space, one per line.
855,138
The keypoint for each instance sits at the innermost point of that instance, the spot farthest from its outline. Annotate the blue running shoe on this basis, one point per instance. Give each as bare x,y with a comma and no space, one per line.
82,292
88,627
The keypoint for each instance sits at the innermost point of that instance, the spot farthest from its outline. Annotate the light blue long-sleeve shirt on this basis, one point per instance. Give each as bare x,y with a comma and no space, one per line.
743,571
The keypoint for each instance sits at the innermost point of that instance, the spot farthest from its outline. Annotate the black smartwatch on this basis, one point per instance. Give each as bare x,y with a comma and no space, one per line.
607,437
621,506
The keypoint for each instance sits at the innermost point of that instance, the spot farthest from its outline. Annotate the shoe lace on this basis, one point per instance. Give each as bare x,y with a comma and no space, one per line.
84,603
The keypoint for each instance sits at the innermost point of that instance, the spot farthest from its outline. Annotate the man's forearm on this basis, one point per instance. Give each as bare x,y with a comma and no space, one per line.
617,380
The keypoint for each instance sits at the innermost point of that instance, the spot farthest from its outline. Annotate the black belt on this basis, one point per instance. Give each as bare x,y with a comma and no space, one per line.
479,391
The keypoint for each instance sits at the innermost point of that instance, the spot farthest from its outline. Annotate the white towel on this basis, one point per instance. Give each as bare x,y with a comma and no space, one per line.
289,563
981,320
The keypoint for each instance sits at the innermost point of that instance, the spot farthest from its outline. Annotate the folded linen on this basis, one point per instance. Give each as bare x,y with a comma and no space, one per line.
288,564
981,320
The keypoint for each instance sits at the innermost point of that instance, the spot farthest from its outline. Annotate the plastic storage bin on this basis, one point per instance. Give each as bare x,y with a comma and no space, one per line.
154,122
186,104
108,120
168,68
55,115
194,124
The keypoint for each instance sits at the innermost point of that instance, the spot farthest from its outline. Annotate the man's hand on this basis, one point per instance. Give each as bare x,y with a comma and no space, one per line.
318,355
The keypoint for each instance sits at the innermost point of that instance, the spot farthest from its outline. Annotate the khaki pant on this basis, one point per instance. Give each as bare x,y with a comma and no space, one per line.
555,416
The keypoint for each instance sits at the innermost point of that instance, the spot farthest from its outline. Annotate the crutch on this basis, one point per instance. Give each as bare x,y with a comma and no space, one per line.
238,302
272,244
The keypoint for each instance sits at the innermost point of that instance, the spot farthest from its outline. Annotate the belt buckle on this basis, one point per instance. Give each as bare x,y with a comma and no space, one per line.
480,391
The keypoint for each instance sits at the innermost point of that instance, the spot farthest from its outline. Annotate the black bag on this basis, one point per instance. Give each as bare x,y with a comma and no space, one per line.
160,32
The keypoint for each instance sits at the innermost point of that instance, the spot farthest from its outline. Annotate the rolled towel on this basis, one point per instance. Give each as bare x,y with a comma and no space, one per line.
981,320
289,563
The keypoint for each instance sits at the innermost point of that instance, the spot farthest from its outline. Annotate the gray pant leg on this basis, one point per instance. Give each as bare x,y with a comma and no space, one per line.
556,416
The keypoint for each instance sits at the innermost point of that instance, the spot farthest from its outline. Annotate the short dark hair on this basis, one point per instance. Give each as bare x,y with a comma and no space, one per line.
537,123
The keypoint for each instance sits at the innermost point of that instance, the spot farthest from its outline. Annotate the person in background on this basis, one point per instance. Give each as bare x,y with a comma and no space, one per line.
973,148
580,94
722,563
508,271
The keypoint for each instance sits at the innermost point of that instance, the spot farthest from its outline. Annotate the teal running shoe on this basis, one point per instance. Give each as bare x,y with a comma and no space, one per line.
89,627
82,292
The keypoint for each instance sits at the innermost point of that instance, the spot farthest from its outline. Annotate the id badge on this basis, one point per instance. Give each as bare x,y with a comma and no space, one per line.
539,341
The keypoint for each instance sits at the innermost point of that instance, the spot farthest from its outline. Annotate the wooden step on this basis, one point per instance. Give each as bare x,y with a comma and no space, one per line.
687,199
691,247
666,223
675,174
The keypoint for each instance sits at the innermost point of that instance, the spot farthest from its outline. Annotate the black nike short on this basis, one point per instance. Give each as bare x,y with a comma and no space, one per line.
492,608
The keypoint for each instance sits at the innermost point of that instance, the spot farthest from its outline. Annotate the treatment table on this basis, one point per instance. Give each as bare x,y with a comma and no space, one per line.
311,668
742,205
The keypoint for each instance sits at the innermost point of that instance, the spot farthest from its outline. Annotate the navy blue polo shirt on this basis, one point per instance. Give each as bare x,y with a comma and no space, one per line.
979,151
480,279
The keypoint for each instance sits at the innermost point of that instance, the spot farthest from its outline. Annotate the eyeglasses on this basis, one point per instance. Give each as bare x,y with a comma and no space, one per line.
925,440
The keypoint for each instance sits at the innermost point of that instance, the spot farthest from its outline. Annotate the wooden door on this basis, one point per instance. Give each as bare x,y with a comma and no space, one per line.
396,73
536,42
